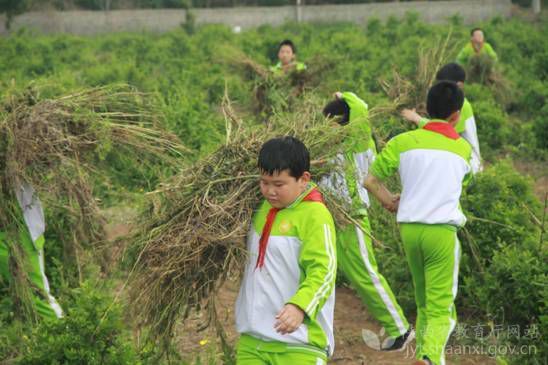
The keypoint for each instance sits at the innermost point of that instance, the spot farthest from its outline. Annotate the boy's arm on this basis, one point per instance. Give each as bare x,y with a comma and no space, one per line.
491,52
470,134
358,107
318,260
470,174
412,116
467,129
385,165
388,200
463,56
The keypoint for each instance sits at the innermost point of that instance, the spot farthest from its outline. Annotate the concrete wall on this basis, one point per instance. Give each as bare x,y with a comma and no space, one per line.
93,22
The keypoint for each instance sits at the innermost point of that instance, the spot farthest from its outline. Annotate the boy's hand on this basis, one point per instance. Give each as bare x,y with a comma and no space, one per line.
411,115
319,162
338,95
393,205
388,200
289,319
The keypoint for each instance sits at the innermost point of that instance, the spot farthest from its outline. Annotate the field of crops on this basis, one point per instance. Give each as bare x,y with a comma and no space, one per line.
188,76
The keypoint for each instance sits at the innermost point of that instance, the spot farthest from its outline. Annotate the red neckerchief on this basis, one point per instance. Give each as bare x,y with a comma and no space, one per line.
442,128
313,196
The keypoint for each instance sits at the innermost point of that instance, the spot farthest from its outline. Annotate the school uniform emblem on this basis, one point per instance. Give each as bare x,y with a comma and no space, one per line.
285,227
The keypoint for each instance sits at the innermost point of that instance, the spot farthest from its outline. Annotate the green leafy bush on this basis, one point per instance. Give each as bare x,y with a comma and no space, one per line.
501,207
93,332
503,270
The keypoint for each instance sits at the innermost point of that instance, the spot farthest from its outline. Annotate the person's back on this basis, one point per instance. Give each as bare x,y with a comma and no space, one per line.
355,251
357,150
432,165
31,242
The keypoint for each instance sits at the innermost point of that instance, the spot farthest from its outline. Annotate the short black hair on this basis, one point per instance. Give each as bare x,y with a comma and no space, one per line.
451,72
474,31
287,42
336,108
284,153
444,98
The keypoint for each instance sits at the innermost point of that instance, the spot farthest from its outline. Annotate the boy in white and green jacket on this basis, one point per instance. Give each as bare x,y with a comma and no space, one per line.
466,125
433,163
355,254
284,311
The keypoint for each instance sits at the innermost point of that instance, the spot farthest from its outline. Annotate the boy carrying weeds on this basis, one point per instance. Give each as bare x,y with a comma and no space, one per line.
284,311
475,47
355,254
433,164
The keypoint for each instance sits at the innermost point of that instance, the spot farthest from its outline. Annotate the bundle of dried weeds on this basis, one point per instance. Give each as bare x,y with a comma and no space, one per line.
411,91
275,92
193,234
483,69
52,144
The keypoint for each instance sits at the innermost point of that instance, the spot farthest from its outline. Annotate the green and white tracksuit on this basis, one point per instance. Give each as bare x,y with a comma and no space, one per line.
469,51
31,239
278,68
355,252
466,127
300,266
433,164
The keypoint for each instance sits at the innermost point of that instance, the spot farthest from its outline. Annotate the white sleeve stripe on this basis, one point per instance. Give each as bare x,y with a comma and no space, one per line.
331,272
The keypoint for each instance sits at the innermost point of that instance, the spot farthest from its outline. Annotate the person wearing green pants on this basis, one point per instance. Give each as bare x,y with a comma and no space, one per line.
31,241
285,306
433,163
355,254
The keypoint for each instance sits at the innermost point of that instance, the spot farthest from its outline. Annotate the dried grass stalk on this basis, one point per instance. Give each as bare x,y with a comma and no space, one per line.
193,233
411,92
53,144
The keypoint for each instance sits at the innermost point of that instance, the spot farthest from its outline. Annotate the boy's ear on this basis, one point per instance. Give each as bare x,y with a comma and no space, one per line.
306,177
454,118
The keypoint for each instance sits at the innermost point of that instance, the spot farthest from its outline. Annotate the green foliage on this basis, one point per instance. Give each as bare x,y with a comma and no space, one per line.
512,292
494,127
503,271
504,204
93,331
540,128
